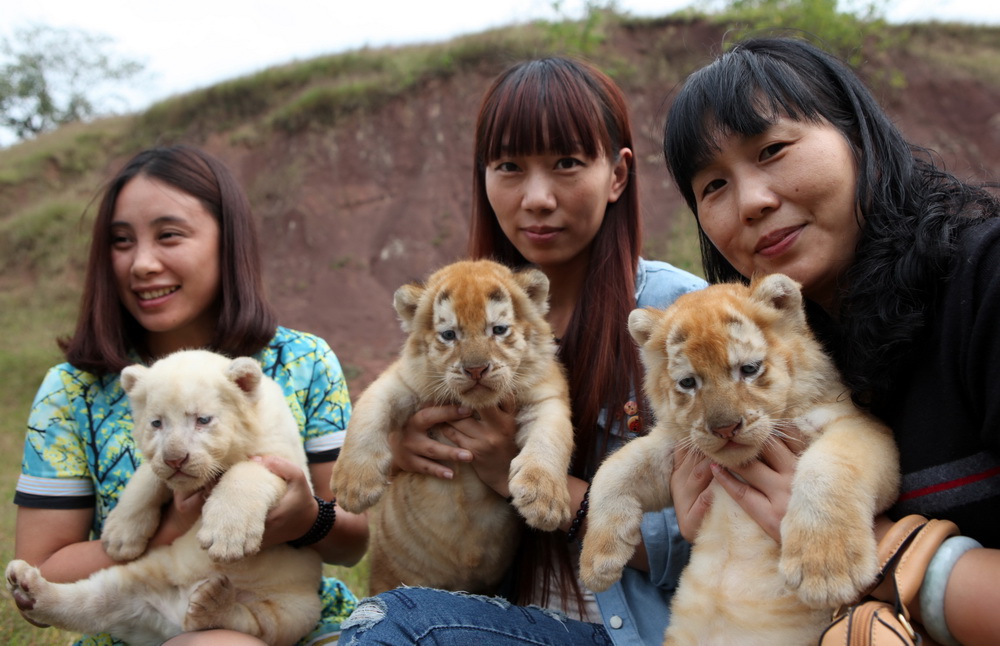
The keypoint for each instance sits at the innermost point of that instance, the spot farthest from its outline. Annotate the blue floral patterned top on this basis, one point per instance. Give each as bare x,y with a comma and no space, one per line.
79,451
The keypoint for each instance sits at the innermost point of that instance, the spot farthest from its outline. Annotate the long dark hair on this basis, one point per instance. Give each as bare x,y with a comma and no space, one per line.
907,205
105,331
557,105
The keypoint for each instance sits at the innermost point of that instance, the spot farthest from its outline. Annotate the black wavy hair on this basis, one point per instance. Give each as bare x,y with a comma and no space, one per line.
910,208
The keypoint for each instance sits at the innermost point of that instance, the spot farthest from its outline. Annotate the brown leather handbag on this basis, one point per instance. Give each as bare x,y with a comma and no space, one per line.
904,554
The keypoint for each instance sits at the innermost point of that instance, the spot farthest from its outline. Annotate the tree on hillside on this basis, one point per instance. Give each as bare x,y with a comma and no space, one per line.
51,76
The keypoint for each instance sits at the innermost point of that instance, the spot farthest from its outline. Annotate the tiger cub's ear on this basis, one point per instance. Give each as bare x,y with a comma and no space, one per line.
780,292
641,323
405,300
536,285
131,376
246,373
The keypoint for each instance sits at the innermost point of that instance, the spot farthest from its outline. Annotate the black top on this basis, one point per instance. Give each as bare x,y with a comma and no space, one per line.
944,407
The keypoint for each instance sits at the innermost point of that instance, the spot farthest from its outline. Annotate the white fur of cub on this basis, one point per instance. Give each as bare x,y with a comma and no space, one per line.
198,416
727,368
478,337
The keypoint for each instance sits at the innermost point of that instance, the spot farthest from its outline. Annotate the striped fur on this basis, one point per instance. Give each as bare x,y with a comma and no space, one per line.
726,369
477,337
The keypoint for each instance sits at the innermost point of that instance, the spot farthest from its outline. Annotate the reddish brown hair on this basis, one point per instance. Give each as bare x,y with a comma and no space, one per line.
105,331
559,105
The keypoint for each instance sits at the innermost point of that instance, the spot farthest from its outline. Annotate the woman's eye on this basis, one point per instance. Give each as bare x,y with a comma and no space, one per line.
772,150
713,186
506,167
448,335
566,163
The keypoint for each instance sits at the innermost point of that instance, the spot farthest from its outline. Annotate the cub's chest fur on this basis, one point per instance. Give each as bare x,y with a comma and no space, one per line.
729,369
477,336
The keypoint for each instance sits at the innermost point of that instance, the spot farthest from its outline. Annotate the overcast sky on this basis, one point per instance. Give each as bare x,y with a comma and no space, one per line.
187,44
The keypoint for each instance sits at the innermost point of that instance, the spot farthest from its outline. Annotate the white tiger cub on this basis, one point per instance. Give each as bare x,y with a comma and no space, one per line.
477,337
727,368
198,417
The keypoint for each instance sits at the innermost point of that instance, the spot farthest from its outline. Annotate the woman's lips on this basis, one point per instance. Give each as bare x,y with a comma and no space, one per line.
778,242
540,234
152,297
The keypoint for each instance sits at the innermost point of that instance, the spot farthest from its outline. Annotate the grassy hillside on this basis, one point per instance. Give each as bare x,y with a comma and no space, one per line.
310,142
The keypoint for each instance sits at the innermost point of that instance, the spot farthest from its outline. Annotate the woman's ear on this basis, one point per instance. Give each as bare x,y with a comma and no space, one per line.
620,173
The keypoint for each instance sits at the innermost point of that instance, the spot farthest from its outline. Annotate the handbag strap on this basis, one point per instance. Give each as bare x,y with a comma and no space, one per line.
907,549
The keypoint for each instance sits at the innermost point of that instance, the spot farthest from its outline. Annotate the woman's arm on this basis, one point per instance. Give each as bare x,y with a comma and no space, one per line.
972,597
57,540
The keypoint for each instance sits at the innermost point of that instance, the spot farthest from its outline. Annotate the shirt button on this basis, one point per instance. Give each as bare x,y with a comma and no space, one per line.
615,622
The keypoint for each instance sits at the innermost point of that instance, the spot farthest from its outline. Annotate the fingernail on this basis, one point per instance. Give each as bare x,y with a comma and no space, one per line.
447,475
464,410
715,467
465,456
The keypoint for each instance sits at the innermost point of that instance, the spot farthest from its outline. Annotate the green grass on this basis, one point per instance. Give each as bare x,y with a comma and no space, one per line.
31,316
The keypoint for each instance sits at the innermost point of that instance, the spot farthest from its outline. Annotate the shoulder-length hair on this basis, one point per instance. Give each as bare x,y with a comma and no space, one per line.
906,204
567,107
105,331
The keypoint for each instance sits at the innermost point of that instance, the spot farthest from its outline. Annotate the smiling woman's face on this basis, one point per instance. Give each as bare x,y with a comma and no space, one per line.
784,202
165,253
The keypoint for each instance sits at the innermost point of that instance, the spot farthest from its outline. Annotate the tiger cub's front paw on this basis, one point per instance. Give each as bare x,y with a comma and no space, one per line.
126,537
607,547
830,565
541,497
358,484
230,531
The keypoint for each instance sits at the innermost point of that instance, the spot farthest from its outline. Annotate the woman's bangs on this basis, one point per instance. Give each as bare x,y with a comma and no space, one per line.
739,96
542,114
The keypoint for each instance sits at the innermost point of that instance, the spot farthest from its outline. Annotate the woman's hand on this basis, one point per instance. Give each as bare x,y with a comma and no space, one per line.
415,451
766,484
490,437
689,489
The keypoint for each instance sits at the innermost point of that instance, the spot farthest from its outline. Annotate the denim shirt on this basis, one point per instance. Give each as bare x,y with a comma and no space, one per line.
636,609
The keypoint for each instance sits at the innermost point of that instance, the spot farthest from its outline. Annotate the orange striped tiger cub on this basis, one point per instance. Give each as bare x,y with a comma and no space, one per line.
727,368
477,337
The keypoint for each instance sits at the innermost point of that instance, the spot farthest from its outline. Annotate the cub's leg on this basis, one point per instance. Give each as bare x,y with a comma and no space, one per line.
538,474
136,608
135,518
280,619
846,476
634,479
361,472
232,520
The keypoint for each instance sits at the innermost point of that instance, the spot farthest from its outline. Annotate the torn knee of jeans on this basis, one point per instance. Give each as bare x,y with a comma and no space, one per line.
369,612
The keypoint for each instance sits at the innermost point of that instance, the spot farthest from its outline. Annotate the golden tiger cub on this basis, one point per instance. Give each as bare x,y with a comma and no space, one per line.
727,368
477,336
198,418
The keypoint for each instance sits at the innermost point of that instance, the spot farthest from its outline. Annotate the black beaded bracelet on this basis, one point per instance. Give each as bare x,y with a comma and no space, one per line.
581,513
325,519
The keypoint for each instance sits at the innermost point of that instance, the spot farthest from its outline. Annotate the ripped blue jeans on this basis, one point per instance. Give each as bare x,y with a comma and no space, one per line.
439,618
